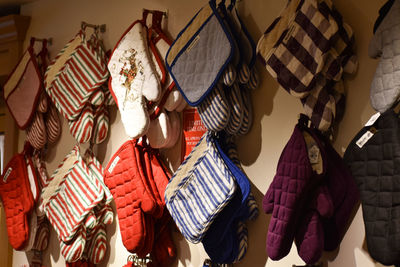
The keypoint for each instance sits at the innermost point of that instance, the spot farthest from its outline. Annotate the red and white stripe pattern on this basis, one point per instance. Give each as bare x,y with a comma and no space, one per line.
53,124
101,127
74,198
73,250
36,132
82,128
83,72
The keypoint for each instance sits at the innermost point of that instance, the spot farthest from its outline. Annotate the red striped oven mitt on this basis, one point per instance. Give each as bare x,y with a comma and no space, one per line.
131,194
74,75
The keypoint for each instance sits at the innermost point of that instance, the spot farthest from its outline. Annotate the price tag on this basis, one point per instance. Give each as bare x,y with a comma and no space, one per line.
373,119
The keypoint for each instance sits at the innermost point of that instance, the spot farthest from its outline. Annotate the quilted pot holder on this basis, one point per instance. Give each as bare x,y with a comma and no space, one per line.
214,111
131,196
17,199
78,70
373,157
294,48
23,88
200,54
82,128
385,86
200,188
78,187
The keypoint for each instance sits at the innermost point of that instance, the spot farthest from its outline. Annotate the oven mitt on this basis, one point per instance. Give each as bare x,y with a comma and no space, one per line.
285,202
73,250
234,98
148,237
173,100
144,166
176,129
182,105
108,97
214,111
82,128
159,131
97,98
36,133
43,103
41,241
53,124
310,233
79,263
79,188
32,231
17,200
101,124
247,121
132,198
229,75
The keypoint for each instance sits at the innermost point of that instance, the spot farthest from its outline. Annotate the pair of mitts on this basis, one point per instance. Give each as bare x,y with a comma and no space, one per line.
19,192
77,204
307,49
74,82
137,180
385,87
138,78
311,197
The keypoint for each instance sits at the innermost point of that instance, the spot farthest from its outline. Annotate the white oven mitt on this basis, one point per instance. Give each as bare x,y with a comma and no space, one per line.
159,130
176,128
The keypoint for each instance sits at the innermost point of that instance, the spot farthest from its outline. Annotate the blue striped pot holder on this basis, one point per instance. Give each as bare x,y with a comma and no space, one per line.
201,187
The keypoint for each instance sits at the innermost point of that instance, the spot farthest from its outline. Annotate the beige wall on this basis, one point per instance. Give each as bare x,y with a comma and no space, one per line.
275,112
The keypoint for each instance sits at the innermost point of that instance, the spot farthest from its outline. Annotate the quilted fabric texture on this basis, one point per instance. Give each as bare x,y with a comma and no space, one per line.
191,196
374,167
17,199
199,55
385,87
293,182
132,197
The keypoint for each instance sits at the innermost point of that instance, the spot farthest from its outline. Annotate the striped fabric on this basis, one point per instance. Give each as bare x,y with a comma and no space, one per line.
242,234
73,75
244,74
235,101
247,111
108,98
73,250
199,190
36,133
301,50
229,75
97,247
214,111
42,234
254,79
253,207
53,124
97,98
43,103
77,194
82,128
102,124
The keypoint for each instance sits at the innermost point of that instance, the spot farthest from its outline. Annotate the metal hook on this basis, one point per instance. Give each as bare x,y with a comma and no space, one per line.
49,40
165,13
101,27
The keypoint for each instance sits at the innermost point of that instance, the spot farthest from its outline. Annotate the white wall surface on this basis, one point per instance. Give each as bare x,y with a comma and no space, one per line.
275,113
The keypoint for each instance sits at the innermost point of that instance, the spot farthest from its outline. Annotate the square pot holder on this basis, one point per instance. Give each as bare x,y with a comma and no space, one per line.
294,48
77,193
200,188
23,87
74,74
204,43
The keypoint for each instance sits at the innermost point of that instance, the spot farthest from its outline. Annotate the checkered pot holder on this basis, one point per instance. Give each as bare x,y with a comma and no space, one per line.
294,48
74,74
200,188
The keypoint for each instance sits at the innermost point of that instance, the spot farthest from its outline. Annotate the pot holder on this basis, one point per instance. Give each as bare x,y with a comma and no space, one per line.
200,188
235,101
101,125
74,74
200,54
53,124
82,128
214,111
294,48
23,88
36,133
77,187
17,199
131,196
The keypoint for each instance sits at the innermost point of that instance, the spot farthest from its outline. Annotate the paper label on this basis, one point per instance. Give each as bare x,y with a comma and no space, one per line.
9,170
193,130
373,119
113,164
364,139
313,154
